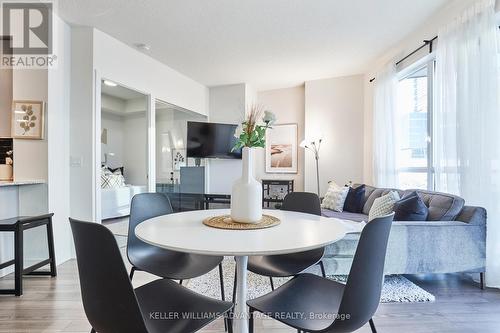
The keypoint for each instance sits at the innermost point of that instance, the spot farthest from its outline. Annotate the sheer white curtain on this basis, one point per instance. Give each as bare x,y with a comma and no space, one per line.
467,119
384,125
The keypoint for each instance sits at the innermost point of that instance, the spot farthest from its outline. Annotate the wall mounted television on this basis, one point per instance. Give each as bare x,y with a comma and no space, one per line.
211,140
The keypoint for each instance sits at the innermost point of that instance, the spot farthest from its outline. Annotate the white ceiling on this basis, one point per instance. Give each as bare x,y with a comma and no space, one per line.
266,43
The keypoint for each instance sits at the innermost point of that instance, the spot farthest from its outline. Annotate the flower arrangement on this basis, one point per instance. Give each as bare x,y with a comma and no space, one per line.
249,133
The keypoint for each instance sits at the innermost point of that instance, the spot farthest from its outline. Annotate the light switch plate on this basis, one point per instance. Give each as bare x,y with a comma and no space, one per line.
75,161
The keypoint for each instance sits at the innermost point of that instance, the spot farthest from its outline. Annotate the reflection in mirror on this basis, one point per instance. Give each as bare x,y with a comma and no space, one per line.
175,172
124,126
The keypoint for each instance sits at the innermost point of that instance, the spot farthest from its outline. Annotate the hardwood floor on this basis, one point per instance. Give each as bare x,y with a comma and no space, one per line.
54,305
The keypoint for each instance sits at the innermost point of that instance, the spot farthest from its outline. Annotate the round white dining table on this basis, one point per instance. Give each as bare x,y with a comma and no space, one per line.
185,232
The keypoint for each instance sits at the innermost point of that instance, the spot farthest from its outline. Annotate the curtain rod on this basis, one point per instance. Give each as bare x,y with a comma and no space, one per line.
426,42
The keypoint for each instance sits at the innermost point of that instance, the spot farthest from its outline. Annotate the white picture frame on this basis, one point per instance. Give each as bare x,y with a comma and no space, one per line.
281,149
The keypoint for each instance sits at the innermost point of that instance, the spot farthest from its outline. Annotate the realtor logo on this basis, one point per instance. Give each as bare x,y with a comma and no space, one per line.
28,26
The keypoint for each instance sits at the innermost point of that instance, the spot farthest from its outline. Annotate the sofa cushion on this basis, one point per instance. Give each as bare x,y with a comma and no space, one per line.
356,217
410,208
372,193
355,199
442,206
334,198
383,205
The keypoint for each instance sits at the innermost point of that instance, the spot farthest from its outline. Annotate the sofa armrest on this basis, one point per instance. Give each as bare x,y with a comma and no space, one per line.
473,215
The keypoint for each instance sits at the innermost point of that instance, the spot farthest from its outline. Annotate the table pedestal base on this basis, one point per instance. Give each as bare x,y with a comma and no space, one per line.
240,318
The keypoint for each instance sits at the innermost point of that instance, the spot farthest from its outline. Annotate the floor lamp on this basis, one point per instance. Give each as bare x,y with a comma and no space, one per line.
314,146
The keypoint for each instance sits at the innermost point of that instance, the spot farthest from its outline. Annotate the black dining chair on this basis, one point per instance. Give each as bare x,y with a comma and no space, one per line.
161,262
351,305
113,306
285,265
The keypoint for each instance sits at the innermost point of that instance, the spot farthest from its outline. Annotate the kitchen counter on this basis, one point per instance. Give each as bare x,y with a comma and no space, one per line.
4,183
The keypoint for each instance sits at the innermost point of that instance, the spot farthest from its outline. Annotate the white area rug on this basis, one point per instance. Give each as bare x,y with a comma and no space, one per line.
396,289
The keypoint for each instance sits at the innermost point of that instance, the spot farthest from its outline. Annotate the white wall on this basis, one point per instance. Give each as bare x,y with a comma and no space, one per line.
334,108
119,62
58,135
113,124
30,156
227,105
288,105
135,158
81,124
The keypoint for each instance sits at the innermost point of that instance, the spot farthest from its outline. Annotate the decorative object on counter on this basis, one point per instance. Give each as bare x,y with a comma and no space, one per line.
274,191
225,222
9,160
281,149
246,197
314,146
28,120
6,172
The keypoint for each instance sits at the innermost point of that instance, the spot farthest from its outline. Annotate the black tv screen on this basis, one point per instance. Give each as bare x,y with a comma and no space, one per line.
211,140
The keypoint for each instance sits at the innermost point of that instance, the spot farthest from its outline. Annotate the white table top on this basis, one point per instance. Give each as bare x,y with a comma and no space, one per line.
185,232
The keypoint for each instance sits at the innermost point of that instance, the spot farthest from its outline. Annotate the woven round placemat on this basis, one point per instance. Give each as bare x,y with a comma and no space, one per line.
225,222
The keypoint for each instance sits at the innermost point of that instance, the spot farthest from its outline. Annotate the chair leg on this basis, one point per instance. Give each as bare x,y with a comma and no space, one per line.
132,271
19,261
481,280
92,331
372,325
229,321
50,242
221,278
250,320
322,268
222,294
272,284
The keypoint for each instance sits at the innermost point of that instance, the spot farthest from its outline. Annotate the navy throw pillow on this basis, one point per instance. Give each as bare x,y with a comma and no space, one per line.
410,208
354,201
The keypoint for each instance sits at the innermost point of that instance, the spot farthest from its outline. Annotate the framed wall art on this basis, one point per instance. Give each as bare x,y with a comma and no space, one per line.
28,120
281,149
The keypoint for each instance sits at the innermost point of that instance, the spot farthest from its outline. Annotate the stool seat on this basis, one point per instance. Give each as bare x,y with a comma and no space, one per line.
10,223
17,225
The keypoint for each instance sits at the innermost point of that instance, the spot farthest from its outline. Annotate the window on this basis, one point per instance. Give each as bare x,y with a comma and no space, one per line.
414,120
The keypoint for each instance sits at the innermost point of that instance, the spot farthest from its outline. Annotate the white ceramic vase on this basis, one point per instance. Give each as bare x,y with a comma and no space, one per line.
246,196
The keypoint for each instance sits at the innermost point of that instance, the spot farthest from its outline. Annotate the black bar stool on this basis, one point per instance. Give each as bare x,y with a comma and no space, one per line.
17,225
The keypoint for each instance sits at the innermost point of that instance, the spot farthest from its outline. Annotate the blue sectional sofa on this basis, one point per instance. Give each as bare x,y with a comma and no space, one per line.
453,239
